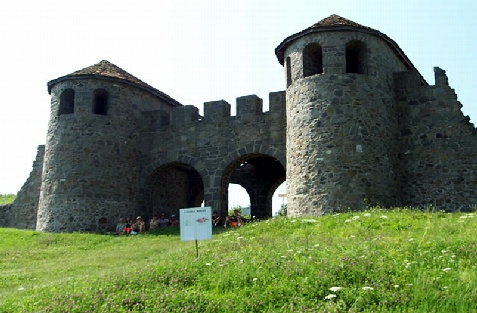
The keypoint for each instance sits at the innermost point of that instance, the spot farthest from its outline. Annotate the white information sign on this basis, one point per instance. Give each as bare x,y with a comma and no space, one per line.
196,223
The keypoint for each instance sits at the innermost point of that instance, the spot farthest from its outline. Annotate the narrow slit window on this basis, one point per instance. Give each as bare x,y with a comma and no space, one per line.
289,79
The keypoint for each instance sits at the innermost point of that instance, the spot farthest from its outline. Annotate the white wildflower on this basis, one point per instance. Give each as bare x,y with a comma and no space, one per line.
367,214
335,289
240,237
255,279
446,269
396,286
347,221
330,296
367,288
384,217
21,288
355,217
208,264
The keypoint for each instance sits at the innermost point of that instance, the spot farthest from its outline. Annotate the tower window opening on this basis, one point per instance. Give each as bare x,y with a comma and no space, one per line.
288,64
355,57
100,102
312,60
67,102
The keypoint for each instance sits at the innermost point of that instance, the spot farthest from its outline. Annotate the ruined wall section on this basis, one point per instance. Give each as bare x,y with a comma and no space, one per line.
438,145
90,174
341,129
23,211
210,143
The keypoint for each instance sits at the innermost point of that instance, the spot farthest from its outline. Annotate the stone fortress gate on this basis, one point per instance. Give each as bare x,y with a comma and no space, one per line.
357,125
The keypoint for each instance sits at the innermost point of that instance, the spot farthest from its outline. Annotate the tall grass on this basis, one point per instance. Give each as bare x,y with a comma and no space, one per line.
374,261
6,199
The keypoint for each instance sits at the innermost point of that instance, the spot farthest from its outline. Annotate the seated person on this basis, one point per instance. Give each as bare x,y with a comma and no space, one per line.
173,221
154,222
215,219
139,226
120,226
163,221
127,227
234,220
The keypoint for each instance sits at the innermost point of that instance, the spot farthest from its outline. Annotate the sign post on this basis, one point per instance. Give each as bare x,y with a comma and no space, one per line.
195,224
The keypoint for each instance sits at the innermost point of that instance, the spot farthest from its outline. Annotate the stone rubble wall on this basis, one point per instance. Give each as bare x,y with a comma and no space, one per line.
22,212
91,166
341,128
210,144
438,147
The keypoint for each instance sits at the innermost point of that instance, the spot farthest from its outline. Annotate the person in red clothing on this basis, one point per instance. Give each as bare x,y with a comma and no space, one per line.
233,221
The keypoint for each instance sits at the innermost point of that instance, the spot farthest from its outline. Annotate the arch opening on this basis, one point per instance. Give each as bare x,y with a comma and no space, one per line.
100,105
171,187
238,197
279,200
260,175
355,57
312,60
67,102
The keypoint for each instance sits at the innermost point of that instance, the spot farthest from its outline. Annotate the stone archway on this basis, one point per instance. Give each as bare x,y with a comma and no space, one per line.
171,187
260,175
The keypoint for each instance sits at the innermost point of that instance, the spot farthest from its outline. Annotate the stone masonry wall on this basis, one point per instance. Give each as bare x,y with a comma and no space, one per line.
341,128
90,175
210,145
439,146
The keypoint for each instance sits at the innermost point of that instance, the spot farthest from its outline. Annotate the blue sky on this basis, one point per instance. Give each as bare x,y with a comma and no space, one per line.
198,51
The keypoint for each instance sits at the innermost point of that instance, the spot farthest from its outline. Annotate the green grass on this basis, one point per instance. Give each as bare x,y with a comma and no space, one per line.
383,261
6,199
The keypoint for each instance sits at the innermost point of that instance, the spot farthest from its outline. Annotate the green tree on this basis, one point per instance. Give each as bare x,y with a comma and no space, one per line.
6,199
283,210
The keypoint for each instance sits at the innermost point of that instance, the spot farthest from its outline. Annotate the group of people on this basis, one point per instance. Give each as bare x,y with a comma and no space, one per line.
129,227
234,220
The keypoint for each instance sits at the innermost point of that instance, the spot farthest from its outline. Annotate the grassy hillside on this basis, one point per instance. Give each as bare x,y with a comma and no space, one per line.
374,261
6,199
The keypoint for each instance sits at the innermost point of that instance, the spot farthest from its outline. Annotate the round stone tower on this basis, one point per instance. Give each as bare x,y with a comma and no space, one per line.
341,119
91,162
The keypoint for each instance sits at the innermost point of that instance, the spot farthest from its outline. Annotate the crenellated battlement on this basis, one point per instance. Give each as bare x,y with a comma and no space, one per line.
247,107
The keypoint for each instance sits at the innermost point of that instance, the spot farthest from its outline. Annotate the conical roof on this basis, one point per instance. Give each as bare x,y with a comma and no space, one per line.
108,70
337,23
